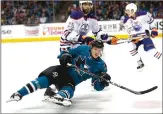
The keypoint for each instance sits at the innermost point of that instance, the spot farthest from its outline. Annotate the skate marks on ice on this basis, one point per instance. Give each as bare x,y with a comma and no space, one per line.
92,103
147,104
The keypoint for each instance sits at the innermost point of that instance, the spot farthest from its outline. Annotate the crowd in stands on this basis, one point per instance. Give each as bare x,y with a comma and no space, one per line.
28,12
114,10
36,12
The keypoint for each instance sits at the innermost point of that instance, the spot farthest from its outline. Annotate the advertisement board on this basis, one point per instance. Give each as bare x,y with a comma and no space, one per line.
6,31
31,30
53,31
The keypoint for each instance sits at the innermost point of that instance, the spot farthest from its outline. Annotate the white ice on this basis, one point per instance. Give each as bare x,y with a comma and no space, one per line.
22,62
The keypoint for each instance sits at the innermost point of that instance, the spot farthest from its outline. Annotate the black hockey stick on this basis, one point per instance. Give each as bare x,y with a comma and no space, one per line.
122,87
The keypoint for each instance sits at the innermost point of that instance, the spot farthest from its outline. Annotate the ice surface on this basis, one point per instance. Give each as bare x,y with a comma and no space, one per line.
22,62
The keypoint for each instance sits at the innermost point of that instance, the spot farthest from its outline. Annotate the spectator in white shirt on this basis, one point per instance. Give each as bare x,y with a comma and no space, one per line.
43,19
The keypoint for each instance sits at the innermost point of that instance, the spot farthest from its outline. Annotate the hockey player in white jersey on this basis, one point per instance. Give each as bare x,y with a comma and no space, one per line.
137,25
78,24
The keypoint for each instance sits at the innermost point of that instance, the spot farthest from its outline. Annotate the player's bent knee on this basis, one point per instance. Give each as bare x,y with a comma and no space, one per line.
148,44
66,92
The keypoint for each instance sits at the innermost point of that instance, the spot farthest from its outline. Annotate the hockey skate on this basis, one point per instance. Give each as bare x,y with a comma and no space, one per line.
49,93
57,99
15,97
140,66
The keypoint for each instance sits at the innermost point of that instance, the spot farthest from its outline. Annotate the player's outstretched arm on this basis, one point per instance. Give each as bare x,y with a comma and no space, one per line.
100,83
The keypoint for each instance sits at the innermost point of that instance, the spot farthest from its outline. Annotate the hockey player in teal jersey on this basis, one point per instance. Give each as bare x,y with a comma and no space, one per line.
66,78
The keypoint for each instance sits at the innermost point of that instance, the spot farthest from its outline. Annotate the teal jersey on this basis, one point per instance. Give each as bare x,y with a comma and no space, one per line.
81,57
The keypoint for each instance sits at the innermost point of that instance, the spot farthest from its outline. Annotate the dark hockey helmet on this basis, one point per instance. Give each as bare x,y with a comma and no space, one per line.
97,43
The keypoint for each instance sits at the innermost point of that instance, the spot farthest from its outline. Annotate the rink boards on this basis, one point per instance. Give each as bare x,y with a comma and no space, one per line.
53,31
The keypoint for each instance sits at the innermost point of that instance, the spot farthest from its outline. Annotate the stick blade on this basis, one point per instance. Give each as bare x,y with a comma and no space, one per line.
148,90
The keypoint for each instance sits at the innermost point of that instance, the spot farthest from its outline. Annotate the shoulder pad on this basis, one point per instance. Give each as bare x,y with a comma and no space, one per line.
76,14
141,13
85,47
125,20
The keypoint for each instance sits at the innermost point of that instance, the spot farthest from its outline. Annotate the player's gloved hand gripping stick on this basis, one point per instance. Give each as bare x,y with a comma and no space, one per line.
132,38
120,86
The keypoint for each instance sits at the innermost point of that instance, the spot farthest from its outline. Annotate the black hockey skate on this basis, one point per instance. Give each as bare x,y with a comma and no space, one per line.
140,65
15,97
51,96
49,92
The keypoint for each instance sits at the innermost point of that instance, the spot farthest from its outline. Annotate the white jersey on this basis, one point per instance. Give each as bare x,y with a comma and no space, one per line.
139,24
77,25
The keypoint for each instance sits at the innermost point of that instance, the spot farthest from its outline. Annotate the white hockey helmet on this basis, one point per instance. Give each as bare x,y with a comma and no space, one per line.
86,1
131,7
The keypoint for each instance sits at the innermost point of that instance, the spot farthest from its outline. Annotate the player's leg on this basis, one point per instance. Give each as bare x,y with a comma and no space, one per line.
66,88
39,83
45,79
150,48
133,48
63,96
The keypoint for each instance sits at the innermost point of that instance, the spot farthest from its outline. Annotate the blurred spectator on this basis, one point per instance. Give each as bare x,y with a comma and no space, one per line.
23,12
43,19
62,18
35,12
159,15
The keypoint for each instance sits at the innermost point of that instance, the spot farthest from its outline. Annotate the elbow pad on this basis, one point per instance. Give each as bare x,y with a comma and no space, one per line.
71,36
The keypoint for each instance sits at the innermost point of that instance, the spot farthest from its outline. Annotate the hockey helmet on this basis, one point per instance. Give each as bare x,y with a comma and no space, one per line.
131,7
81,2
97,43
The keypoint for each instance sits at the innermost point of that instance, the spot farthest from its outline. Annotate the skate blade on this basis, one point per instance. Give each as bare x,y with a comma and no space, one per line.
54,102
11,100
140,70
46,99
61,104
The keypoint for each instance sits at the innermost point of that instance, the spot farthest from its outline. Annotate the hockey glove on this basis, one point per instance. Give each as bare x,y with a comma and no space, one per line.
85,40
104,79
65,58
154,33
135,41
113,41
104,36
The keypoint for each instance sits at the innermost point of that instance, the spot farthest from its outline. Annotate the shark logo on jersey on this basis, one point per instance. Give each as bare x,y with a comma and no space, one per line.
80,63
137,26
84,29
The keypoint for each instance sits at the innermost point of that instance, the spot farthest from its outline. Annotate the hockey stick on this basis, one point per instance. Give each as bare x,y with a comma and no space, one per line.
117,85
128,40
132,38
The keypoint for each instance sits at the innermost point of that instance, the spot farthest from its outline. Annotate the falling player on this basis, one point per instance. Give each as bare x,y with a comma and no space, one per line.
77,26
137,26
67,78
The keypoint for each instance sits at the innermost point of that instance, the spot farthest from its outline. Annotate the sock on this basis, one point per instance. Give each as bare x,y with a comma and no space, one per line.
66,92
155,53
135,54
133,51
39,83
